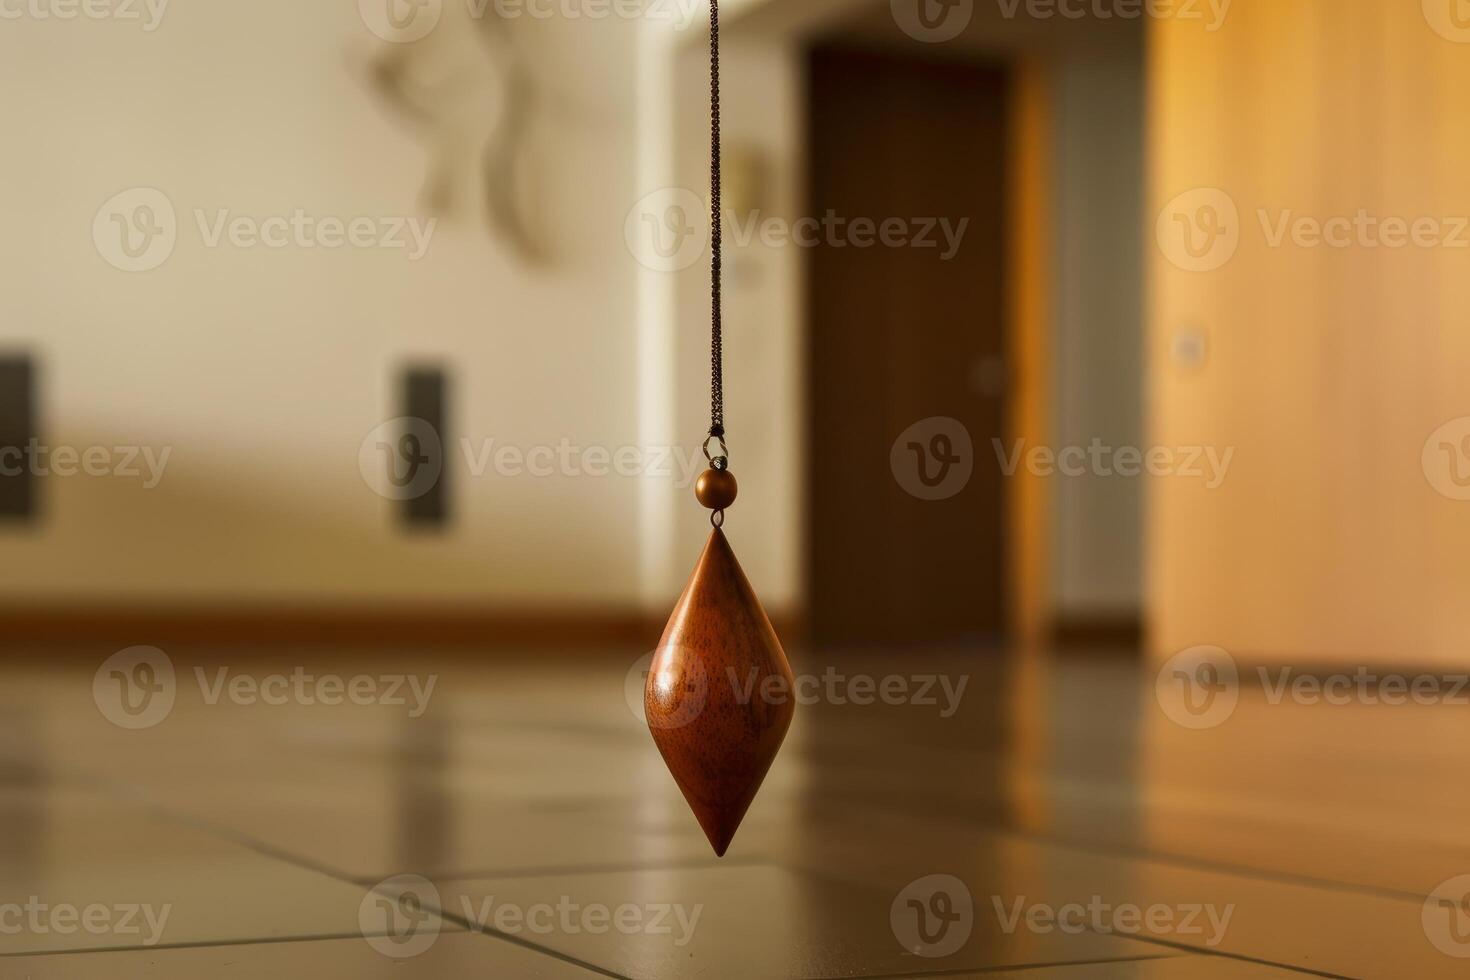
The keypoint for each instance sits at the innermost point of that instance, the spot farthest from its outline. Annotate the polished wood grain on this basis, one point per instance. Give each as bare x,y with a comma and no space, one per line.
720,693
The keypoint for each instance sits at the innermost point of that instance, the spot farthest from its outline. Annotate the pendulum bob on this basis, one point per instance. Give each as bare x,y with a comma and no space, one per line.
720,693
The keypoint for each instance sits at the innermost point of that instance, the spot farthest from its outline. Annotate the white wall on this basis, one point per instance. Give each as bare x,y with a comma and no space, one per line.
1098,381
263,370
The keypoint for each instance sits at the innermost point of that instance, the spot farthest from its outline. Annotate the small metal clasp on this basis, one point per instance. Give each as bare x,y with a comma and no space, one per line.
722,461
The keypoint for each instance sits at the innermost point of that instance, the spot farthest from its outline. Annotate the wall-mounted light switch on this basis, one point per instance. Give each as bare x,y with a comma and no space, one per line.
18,490
425,392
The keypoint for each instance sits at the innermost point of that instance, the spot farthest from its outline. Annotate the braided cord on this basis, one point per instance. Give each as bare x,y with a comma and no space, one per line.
717,340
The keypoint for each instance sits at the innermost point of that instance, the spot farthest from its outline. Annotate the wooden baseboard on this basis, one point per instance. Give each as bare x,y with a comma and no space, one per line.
348,626
355,626
1097,632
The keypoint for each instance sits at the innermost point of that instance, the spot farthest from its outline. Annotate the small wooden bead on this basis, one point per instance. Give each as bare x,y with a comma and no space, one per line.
716,489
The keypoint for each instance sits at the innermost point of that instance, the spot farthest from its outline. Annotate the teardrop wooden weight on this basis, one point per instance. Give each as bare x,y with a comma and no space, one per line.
720,693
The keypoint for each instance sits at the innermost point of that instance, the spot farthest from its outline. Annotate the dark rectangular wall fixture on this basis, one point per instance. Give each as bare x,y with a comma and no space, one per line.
17,429
425,402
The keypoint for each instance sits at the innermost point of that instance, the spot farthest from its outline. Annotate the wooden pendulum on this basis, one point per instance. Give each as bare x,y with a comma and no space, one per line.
719,698
720,693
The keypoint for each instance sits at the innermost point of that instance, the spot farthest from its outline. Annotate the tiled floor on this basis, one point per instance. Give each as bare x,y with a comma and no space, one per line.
1048,821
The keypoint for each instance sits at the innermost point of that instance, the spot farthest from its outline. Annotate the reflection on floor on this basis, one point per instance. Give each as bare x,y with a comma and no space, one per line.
949,815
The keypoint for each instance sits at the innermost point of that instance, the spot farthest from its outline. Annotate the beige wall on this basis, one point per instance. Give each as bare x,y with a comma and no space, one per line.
764,129
265,370
1327,368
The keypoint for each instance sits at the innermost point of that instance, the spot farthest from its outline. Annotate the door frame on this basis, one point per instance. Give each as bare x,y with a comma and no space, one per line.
665,147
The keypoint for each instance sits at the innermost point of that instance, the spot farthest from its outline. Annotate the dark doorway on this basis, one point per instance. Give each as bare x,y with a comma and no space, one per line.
903,549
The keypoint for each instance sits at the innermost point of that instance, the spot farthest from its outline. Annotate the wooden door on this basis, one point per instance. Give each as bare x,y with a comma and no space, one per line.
904,548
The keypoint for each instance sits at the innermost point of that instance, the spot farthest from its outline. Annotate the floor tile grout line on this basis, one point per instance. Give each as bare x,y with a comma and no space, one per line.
1188,862
1223,954
271,851
1239,870
612,867
255,844
966,971
1003,829
288,940
202,944
1161,857
291,857
527,944
828,877
220,831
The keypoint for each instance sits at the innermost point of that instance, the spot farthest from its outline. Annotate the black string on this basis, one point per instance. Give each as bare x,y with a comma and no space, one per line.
717,340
